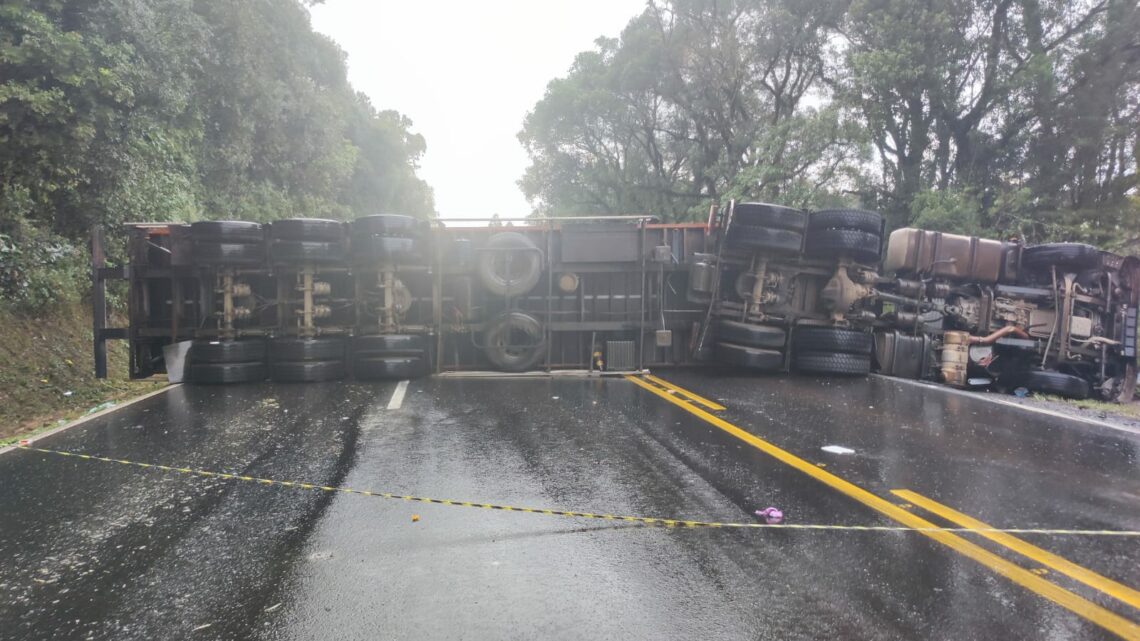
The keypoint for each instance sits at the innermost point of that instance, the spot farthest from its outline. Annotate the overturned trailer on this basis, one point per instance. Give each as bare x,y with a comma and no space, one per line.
759,286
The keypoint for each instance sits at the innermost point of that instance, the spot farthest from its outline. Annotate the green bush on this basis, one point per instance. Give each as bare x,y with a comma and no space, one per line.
40,272
950,210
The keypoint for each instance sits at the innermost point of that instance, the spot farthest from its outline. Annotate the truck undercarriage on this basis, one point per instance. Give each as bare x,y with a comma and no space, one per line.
760,286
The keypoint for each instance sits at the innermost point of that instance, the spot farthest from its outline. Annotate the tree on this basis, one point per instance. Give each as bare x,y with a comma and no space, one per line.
699,100
183,109
995,98
1007,117
179,110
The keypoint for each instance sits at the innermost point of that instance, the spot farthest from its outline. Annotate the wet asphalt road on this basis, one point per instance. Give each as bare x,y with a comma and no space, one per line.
105,551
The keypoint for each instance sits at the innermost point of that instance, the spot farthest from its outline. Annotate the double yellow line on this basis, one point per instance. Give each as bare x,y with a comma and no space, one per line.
1076,604
1046,558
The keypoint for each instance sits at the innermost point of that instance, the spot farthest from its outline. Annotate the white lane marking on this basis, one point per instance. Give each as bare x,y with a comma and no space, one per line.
83,419
989,397
398,396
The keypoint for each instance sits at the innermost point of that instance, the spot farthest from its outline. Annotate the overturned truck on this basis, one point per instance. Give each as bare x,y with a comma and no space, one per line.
760,287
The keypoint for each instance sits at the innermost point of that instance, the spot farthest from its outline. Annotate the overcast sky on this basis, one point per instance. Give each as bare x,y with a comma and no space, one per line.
467,73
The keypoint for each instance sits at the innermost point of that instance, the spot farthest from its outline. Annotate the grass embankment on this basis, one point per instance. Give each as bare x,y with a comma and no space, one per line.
46,371
1100,409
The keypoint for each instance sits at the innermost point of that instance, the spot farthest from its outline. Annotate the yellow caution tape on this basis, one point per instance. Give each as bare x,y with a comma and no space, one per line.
642,520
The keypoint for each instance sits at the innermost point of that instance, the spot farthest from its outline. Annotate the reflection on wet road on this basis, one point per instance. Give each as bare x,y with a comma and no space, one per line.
96,550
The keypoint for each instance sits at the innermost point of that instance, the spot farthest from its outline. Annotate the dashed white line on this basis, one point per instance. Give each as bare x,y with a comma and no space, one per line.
398,396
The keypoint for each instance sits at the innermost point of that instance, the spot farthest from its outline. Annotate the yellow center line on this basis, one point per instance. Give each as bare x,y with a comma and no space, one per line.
712,405
1044,557
1080,606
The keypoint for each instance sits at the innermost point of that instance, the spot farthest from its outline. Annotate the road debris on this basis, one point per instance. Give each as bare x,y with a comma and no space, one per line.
771,515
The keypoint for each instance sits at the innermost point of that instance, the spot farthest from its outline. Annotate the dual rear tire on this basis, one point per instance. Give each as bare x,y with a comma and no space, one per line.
389,239
224,243
223,362
850,233
306,360
390,356
755,347
767,228
306,241
831,350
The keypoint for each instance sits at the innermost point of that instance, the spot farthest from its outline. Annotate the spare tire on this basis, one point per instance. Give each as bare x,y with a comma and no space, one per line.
765,215
1055,383
306,371
855,219
764,238
389,225
207,351
215,253
227,372
227,231
824,363
859,245
305,251
1077,256
310,229
749,335
306,349
373,368
750,357
509,264
515,342
832,339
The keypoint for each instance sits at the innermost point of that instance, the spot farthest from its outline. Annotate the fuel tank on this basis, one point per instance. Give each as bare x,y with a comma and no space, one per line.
950,256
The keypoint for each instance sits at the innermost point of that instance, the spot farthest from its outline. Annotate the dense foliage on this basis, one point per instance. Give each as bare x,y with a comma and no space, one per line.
179,110
1014,117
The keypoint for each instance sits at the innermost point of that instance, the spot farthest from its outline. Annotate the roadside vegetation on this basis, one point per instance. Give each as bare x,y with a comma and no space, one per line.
163,110
178,110
1126,412
46,376
992,117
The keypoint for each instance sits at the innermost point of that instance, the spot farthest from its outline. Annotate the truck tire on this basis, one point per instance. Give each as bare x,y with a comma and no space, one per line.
825,363
764,239
510,264
389,225
1055,383
214,253
305,349
305,251
390,345
308,229
771,216
859,245
221,373
749,357
227,231
854,219
515,342
831,340
206,351
386,249
738,333
374,368
306,371
1076,256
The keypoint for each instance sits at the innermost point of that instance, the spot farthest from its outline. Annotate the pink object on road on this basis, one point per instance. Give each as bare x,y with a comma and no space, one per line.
771,515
